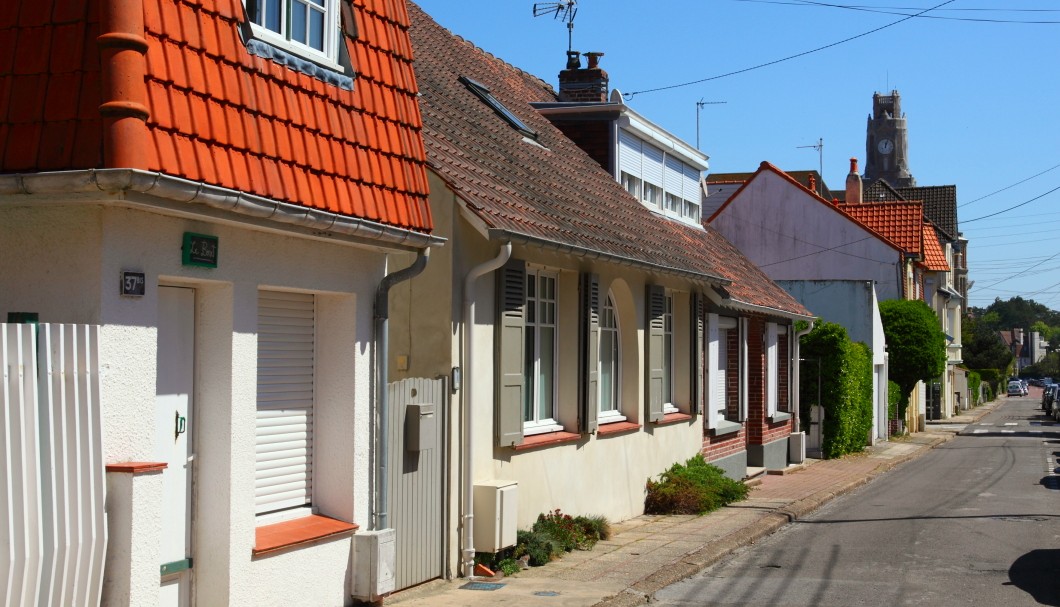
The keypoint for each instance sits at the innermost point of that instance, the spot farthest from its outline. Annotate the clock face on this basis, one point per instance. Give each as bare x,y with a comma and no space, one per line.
885,146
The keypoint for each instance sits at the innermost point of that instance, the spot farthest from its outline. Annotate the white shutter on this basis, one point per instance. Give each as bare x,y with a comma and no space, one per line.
629,154
772,369
673,176
716,373
692,191
284,447
653,165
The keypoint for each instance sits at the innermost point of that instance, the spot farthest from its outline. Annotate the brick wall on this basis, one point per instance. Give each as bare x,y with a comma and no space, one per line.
717,447
732,375
759,430
592,136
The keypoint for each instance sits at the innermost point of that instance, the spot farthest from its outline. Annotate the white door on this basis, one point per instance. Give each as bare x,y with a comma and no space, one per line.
173,444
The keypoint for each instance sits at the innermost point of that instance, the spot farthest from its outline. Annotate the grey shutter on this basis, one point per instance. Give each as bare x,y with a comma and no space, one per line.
656,307
283,470
511,350
697,365
589,353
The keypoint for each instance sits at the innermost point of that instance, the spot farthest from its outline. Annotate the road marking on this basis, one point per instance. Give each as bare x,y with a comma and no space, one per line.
1012,423
1008,431
986,423
979,431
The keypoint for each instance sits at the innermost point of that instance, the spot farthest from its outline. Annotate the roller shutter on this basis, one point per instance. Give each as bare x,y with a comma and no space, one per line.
284,440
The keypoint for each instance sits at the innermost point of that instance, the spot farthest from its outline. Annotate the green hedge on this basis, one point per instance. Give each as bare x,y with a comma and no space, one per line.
974,381
894,396
845,390
993,378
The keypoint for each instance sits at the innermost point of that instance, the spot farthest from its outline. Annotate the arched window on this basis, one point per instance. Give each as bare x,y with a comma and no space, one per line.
610,361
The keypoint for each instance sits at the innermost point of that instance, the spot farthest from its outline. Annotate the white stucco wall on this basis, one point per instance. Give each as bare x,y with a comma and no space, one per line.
64,262
791,235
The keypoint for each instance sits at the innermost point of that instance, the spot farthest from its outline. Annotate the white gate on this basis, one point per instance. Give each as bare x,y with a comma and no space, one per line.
416,451
51,497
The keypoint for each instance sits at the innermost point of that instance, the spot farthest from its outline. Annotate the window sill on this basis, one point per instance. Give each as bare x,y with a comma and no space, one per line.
547,439
725,427
300,531
137,468
779,416
616,428
673,418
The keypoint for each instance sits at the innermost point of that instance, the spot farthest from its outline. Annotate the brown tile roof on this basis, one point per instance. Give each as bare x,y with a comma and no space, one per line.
940,202
900,222
550,191
934,256
218,114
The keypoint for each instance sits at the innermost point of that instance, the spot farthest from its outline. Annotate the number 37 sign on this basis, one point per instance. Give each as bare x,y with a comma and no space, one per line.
133,284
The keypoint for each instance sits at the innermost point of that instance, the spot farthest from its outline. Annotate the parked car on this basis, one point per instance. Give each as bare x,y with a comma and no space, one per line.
1016,388
1048,396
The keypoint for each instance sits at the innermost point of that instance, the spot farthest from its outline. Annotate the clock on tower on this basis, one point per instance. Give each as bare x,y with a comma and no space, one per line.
886,152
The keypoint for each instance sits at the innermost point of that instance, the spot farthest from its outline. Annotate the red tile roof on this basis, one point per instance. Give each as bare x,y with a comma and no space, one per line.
551,192
216,113
900,222
934,256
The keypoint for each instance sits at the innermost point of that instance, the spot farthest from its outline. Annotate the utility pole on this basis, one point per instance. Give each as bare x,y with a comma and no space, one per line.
699,106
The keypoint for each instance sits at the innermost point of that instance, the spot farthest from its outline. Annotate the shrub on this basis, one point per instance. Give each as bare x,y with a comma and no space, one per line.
509,567
596,527
694,487
563,528
845,390
894,395
539,545
974,381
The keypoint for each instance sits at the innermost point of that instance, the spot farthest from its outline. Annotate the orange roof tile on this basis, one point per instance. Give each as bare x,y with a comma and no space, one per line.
934,256
899,222
219,114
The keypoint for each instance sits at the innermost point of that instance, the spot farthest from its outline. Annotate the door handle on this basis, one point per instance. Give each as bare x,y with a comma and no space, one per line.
181,425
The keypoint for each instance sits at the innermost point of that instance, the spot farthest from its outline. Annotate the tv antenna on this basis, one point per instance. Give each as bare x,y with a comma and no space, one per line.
819,146
564,10
699,106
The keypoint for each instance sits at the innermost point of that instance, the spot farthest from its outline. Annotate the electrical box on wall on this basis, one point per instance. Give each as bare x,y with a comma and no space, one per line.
372,564
496,510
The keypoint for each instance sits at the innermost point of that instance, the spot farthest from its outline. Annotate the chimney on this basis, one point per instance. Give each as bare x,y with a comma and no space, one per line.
853,183
813,184
583,85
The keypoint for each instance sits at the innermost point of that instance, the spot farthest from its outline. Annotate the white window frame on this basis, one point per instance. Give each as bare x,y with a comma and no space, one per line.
772,369
632,184
718,355
327,55
613,414
538,424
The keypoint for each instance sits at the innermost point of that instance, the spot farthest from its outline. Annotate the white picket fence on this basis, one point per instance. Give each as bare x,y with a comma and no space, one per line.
53,534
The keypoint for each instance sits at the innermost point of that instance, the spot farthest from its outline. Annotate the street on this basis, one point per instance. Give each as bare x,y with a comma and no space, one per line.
974,522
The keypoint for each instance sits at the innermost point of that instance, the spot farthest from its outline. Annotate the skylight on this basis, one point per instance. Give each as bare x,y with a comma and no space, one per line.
485,95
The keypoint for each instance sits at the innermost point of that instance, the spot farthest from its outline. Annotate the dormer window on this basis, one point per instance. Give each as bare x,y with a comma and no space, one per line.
487,97
307,28
661,180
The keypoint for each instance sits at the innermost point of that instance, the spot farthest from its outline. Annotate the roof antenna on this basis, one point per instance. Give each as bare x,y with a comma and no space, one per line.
564,10
819,146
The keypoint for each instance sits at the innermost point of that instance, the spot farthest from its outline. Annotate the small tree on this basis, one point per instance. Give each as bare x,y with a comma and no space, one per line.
915,343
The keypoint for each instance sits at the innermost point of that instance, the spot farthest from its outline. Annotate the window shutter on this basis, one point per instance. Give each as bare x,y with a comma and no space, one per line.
772,370
716,376
284,432
629,156
590,352
744,328
652,167
656,307
511,335
698,366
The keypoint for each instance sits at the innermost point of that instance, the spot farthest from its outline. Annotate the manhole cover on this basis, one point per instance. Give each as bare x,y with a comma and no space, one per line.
546,593
481,586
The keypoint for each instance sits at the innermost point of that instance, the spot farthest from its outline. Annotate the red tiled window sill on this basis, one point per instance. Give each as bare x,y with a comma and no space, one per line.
297,532
673,418
616,428
546,439
136,468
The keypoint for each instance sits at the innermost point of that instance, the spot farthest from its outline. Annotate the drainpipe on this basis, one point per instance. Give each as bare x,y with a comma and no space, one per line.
798,372
468,552
797,454
382,375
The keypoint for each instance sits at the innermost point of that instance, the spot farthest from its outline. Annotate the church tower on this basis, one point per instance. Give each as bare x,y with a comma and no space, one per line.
886,146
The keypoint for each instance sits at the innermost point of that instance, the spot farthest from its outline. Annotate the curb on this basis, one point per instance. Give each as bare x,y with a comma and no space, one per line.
643,591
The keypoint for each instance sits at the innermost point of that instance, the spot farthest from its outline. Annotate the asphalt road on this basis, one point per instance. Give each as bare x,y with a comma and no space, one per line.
974,522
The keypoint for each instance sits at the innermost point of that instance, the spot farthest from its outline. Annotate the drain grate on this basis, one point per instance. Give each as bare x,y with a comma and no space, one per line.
546,593
482,586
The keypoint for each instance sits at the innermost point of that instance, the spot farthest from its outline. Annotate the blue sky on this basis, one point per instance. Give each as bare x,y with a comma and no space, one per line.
982,99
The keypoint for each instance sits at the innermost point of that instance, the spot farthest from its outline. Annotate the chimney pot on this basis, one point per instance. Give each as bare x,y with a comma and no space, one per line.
854,193
853,165
594,59
574,60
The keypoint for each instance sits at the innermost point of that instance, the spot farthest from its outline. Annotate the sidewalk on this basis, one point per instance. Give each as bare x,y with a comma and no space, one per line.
649,552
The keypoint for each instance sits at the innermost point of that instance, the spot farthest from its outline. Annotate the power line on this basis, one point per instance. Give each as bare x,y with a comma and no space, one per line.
788,58
898,10
1010,186
966,221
